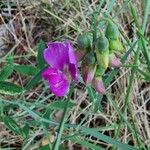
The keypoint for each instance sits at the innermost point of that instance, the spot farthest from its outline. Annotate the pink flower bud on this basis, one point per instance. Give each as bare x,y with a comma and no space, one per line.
80,54
98,85
88,72
114,61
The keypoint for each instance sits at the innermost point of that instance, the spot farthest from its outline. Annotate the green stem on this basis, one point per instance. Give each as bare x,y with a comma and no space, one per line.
62,123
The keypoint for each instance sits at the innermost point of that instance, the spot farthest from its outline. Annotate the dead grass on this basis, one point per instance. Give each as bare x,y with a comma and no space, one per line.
29,21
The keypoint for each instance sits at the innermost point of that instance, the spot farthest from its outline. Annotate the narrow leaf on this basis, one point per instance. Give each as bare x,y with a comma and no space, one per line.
12,125
107,139
6,72
40,58
59,105
26,69
9,88
34,80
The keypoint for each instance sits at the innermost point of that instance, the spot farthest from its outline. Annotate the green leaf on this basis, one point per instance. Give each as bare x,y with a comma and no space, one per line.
12,125
25,131
7,70
40,59
9,88
26,69
84,143
34,80
107,139
59,105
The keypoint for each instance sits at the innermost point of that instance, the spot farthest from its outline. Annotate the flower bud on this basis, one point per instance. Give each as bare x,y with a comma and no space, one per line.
115,45
102,51
99,71
88,72
84,41
114,61
112,31
90,58
98,85
102,44
80,54
103,59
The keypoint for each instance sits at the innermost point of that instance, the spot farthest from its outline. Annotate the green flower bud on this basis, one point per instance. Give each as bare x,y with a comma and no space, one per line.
89,58
102,52
103,59
115,45
84,41
112,31
102,44
99,71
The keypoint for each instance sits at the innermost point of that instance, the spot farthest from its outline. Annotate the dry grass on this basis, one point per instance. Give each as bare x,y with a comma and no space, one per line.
27,22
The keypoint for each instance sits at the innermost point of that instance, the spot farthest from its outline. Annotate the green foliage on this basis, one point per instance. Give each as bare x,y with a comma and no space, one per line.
7,70
59,105
26,70
13,126
33,82
40,59
10,88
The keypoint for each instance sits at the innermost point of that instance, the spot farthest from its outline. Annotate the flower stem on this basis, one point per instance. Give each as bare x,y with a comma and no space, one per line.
63,120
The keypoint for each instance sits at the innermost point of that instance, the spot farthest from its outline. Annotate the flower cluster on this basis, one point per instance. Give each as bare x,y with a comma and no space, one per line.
97,56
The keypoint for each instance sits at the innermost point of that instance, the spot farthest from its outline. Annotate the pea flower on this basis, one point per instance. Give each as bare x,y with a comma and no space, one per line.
63,67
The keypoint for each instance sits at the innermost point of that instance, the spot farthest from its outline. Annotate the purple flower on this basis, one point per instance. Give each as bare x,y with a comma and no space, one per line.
63,66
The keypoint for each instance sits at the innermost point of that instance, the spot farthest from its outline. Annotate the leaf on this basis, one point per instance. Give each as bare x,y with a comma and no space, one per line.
25,131
26,69
9,88
84,143
59,105
7,70
40,59
12,125
107,139
34,80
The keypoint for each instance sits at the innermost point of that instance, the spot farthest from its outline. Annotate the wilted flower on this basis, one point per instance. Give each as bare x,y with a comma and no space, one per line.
63,66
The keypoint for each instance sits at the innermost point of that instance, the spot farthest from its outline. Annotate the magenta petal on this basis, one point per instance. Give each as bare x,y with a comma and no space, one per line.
84,72
51,75
56,55
61,88
61,55
73,67
59,85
